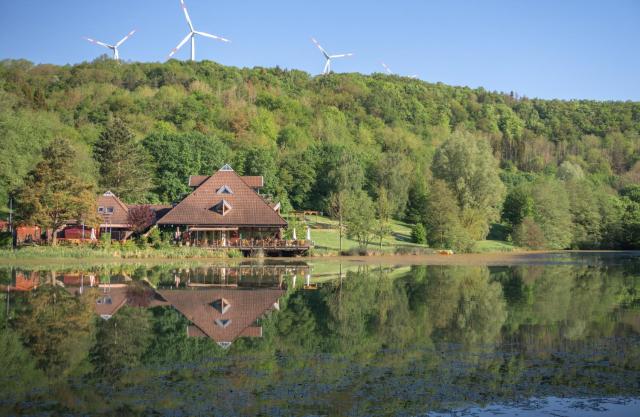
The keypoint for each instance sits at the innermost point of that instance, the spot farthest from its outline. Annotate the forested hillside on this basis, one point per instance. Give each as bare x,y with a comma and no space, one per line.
462,163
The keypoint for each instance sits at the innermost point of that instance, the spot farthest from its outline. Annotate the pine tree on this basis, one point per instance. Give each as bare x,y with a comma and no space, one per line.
124,164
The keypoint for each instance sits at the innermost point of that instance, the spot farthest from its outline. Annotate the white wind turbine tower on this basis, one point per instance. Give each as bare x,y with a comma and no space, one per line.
192,35
327,65
114,48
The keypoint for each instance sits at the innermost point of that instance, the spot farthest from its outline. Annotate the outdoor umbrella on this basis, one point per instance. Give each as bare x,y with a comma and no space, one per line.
293,236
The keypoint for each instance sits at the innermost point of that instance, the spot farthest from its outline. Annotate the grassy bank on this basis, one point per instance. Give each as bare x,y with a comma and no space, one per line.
326,238
325,235
113,252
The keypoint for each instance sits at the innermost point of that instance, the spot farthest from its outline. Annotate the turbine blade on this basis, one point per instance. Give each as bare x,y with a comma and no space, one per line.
99,43
387,68
320,48
121,41
186,14
208,35
340,56
182,42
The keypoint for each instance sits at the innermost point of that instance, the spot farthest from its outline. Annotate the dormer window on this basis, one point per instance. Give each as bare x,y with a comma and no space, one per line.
222,207
225,189
223,322
222,305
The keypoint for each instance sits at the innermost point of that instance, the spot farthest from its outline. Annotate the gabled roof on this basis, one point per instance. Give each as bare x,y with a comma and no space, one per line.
249,208
120,215
223,325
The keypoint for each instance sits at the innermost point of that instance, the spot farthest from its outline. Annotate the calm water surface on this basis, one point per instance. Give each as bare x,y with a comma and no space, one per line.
560,338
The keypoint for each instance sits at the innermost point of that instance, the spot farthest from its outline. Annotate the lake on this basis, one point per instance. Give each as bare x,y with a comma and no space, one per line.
555,334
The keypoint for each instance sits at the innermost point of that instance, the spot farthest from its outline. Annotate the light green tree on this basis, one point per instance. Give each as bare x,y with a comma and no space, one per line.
466,164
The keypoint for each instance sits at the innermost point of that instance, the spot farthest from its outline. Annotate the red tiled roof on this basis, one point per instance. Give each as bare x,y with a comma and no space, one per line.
197,180
253,181
120,215
248,207
245,307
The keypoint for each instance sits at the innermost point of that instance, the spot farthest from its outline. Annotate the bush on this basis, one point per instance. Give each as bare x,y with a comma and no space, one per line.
6,240
529,235
105,240
419,234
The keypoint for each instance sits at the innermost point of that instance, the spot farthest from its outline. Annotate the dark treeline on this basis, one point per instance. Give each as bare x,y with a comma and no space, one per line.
459,163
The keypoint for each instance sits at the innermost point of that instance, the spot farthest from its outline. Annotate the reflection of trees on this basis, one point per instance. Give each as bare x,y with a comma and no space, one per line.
463,304
18,373
121,342
58,329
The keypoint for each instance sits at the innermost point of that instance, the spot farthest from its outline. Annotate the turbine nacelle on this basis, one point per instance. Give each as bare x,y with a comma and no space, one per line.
114,48
328,58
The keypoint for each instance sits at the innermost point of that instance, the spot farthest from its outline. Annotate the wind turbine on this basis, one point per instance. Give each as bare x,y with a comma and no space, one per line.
327,65
192,35
388,70
114,48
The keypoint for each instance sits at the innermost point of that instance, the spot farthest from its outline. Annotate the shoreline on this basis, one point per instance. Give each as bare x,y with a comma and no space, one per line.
545,257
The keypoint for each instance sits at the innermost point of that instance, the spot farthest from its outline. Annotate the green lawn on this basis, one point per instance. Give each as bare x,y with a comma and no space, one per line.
487,246
324,233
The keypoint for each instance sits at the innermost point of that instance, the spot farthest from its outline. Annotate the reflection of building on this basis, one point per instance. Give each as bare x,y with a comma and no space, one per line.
224,314
112,293
25,281
243,275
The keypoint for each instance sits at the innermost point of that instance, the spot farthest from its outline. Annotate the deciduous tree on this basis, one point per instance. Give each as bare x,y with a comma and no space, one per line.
53,195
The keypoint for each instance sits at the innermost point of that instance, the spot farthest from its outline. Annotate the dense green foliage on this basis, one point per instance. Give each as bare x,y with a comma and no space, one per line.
313,137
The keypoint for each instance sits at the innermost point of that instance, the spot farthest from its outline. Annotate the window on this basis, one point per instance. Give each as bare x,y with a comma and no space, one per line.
100,209
224,345
109,210
223,322
221,305
226,167
223,207
104,300
225,189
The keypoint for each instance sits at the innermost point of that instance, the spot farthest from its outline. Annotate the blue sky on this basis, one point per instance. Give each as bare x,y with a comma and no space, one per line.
548,49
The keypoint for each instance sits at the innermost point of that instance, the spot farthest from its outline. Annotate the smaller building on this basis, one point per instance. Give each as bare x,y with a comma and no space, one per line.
114,215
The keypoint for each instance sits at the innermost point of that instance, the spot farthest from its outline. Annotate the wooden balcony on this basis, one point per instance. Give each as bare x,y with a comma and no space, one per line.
247,245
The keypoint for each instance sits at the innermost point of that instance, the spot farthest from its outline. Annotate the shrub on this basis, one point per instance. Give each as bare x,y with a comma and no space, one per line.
105,240
529,235
6,240
419,234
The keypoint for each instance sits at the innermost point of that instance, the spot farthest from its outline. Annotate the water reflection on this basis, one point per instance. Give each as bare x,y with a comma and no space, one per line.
253,339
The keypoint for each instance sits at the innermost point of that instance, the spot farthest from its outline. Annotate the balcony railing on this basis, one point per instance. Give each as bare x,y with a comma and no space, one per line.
248,244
